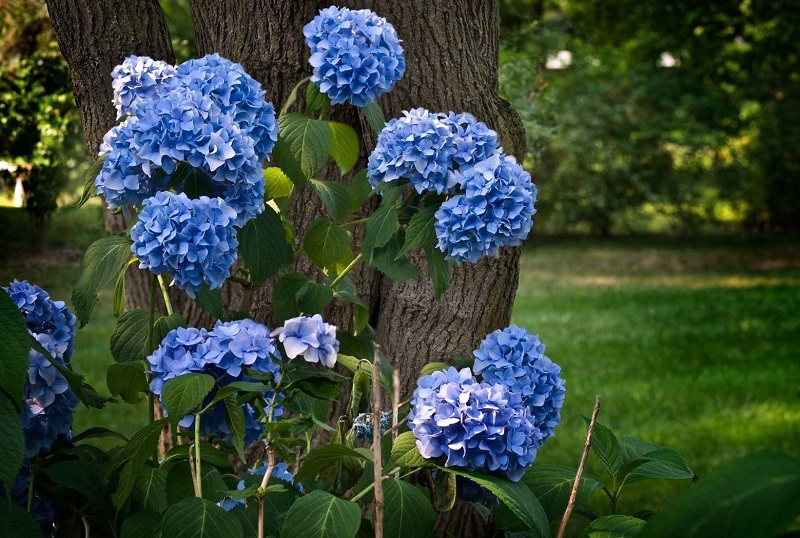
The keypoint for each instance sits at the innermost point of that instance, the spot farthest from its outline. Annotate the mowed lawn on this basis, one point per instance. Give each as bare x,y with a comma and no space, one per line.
693,344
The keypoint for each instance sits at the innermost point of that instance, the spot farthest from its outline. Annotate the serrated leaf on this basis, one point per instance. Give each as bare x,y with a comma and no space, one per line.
97,432
211,301
324,457
119,294
278,184
208,454
613,527
309,141
234,416
14,339
420,232
285,160
439,271
325,242
407,512
127,379
334,196
262,244
445,488
360,190
389,262
359,394
431,367
150,490
405,452
321,515
552,485
183,395
315,99
12,449
129,336
89,188
606,447
17,522
141,525
381,227
131,458
199,518
284,296
374,116
344,146
643,460
101,265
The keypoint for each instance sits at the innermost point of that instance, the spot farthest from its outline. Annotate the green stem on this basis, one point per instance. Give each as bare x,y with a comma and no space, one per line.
165,294
293,96
355,222
347,269
369,487
614,498
198,474
152,321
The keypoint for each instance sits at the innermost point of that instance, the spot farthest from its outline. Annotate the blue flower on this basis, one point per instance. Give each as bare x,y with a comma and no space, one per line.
236,344
472,425
495,210
362,425
515,358
417,147
473,140
356,55
310,337
138,79
180,352
49,321
193,240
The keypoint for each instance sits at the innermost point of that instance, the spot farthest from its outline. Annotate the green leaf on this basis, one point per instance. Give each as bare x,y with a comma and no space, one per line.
119,293
309,141
199,518
183,395
12,448
360,190
405,452
286,161
141,525
284,296
606,447
313,297
211,301
89,188
234,416
420,232
315,99
359,394
758,495
150,490
133,456
321,515
325,457
127,379
17,522
381,227
613,527
407,511
375,116
643,460
163,325
208,454
196,184
389,262
334,196
97,432
102,264
325,242
515,495
431,367
262,244
14,339
278,184
552,485
130,336
439,271
445,489
344,146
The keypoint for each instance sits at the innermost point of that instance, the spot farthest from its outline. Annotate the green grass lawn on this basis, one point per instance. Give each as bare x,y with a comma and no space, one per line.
693,344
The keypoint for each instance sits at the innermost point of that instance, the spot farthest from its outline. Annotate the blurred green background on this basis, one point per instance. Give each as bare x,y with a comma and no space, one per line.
664,267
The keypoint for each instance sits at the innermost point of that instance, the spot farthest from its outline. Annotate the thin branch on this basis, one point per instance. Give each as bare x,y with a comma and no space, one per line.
264,481
574,493
86,527
376,442
395,405
193,472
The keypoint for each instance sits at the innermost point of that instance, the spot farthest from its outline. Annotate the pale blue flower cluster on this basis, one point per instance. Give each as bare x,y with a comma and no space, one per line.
356,55
208,113
473,425
49,402
310,337
362,425
515,358
192,240
495,210
427,149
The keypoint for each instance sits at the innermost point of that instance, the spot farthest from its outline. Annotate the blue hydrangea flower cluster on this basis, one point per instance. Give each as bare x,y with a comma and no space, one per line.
356,55
279,471
49,402
495,210
362,425
473,425
215,421
208,113
515,358
310,337
193,240
427,149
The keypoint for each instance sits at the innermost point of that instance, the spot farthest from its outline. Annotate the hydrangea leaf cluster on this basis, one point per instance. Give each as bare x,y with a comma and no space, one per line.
310,337
279,471
362,425
495,210
473,425
356,55
49,402
208,113
193,240
515,358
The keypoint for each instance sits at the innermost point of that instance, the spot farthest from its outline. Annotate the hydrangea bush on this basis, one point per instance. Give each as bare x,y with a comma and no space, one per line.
255,448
